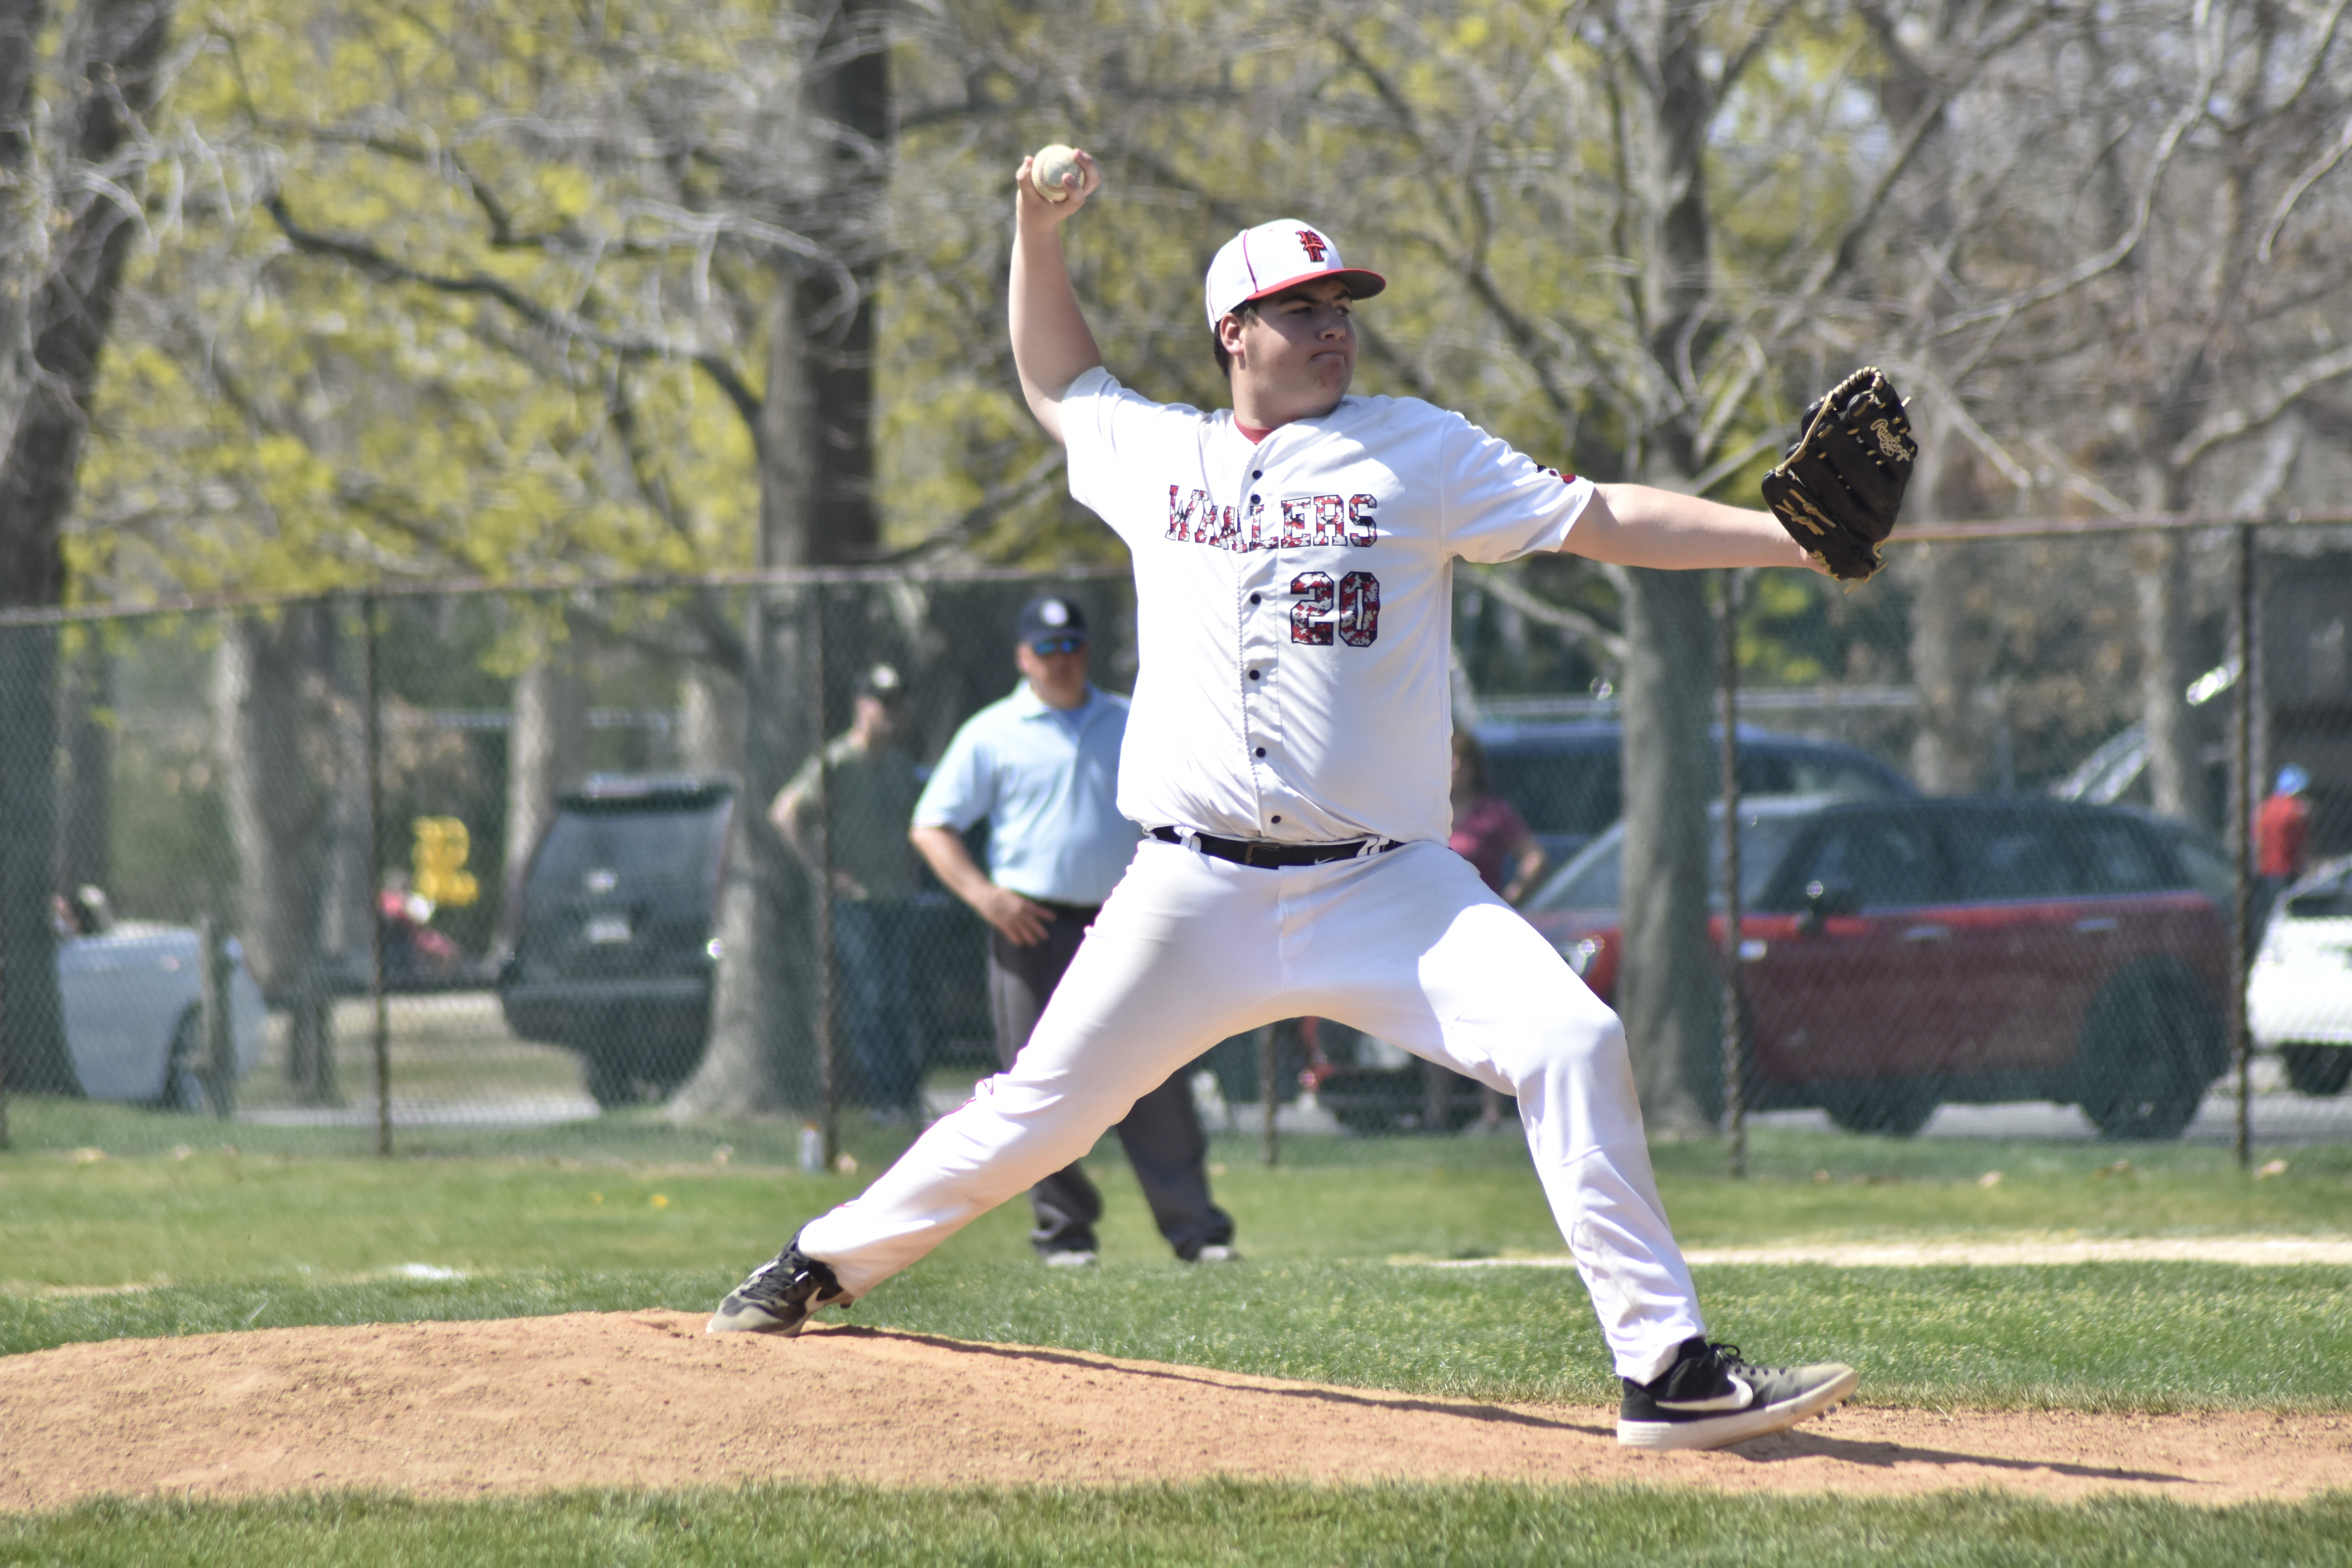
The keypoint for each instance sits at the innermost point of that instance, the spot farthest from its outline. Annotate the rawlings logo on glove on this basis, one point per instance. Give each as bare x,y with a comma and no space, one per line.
1838,489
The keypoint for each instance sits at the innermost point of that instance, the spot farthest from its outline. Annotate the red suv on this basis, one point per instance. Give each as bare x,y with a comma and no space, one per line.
1898,953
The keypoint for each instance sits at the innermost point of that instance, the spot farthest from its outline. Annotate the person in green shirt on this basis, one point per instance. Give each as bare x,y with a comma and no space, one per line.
873,788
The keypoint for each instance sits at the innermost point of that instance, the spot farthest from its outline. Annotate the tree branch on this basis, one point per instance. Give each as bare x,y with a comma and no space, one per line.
2228,424
1505,585
375,263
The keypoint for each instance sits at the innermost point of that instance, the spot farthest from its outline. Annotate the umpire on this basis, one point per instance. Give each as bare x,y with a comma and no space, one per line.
1042,766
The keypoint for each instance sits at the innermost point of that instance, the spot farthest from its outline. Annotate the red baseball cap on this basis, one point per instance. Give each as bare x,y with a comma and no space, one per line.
1275,256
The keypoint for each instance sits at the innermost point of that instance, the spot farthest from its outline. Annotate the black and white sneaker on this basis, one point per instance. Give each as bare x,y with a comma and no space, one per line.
779,1297
1710,1398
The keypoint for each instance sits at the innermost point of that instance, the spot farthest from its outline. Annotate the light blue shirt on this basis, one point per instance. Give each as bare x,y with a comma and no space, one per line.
1047,781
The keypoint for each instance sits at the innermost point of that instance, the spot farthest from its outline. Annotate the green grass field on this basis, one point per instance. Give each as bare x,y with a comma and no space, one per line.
631,1213
1214,1523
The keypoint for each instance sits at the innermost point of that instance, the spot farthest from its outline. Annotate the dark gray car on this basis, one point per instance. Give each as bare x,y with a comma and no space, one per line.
614,953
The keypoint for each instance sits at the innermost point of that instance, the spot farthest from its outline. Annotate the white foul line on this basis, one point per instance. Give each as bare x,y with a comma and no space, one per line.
2257,1250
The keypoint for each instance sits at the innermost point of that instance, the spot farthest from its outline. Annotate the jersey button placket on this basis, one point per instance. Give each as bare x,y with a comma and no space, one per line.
1265,627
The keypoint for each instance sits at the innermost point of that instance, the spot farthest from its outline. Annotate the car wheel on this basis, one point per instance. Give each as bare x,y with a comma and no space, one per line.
1892,1106
183,1089
2147,1047
2317,1069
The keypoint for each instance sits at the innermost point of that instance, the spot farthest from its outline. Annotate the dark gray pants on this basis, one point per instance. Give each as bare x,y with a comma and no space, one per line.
1161,1135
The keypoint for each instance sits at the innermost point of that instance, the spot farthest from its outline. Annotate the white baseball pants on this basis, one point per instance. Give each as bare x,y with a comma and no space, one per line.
1410,946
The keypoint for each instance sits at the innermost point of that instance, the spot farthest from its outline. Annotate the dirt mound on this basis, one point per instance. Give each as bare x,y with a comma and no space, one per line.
644,1399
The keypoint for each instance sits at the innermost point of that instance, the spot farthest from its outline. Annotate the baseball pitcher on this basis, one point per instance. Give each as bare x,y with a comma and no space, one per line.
1286,754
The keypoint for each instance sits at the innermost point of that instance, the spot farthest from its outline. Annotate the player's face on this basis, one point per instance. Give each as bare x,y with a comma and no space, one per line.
1295,358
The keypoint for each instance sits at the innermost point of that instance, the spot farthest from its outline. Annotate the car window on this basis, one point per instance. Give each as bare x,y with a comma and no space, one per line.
1775,772
2118,859
2010,856
2204,865
2006,855
1885,862
1572,793
1595,878
639,848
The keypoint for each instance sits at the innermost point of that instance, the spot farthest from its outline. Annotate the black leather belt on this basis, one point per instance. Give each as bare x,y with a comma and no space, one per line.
1263,852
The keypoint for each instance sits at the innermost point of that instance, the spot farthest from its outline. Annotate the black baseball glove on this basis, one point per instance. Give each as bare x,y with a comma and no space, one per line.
1839,488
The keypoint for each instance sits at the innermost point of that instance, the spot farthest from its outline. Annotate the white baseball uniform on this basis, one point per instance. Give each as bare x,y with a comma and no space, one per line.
1294,605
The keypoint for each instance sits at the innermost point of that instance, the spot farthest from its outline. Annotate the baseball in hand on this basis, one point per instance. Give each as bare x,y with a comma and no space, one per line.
1048,168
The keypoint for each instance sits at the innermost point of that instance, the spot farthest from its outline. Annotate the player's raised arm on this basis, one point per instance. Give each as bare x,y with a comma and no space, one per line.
1050,344
1637,525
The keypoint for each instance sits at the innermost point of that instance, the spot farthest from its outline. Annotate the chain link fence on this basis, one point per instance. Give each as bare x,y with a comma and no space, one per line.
483,870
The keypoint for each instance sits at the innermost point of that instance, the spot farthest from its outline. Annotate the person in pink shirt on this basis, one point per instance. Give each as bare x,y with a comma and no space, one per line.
1489,832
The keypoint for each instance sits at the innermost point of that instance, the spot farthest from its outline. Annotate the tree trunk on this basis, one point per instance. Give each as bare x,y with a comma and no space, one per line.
72,305
1669,984
2175,771
816,508
32,1016
758,1056
21,21
349,871
1669,980
1947,752
710,725
85,805
546,748
761,1055
848,105
278,812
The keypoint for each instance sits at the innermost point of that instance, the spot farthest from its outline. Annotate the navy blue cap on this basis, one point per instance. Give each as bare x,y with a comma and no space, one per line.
1051,616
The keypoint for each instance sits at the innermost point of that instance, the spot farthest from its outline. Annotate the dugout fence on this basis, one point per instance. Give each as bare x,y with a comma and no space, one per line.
468,867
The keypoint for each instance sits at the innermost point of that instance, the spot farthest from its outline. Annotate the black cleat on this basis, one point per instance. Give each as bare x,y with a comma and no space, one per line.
1710,1398
779,1297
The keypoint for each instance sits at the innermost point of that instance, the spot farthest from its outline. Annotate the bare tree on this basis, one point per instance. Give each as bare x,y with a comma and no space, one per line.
2119,298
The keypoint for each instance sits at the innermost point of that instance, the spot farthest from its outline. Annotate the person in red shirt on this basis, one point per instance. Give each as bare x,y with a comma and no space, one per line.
2282,827
2282,843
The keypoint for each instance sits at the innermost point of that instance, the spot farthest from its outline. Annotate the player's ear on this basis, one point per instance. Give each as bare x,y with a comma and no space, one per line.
1229,331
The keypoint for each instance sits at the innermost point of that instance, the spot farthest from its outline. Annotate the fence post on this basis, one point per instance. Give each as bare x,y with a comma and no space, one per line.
1735,1108
3,1060
827,1075
213,1006
2242,791
371,754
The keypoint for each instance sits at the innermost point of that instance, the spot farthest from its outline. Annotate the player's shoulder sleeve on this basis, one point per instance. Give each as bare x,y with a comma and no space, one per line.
1498,502
962,786
1113,433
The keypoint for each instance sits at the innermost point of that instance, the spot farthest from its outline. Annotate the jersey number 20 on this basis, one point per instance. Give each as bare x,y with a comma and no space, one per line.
1358,620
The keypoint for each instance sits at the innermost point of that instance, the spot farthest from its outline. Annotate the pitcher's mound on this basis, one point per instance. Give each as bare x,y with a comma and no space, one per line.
644,1399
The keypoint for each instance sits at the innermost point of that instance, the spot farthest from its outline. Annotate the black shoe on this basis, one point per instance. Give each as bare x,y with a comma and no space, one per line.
1710,1398
779,1297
